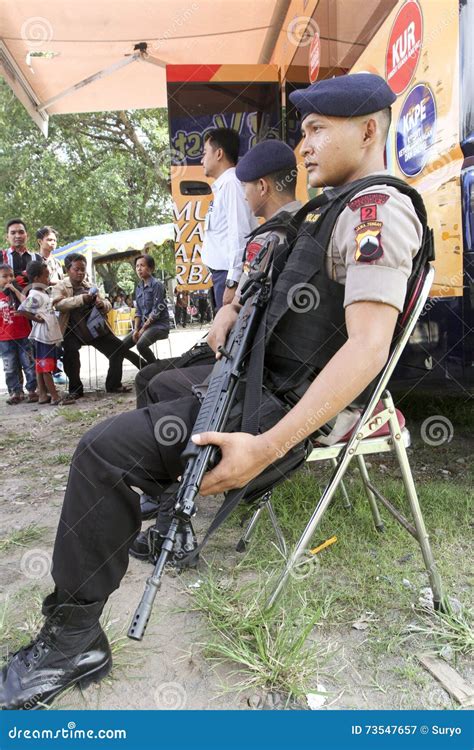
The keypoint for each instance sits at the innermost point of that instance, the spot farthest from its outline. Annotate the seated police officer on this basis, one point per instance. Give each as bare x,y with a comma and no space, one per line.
358,269
268,173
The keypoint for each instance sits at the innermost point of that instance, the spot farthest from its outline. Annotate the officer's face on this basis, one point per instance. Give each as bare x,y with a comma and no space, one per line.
255,195
210,159
329,149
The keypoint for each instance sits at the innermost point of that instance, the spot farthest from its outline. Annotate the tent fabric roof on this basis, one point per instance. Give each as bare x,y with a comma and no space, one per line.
77,41
60,57
103,244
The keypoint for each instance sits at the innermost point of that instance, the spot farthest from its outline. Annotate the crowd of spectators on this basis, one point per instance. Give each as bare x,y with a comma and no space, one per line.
49,312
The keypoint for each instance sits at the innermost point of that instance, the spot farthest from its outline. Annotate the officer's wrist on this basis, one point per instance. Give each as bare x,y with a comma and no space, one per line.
269,449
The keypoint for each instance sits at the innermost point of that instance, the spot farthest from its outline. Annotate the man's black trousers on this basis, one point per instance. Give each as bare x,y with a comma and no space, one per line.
109,345
101,512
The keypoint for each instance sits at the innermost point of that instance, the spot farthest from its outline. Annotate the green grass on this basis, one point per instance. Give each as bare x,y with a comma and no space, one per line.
71,415
17,630
363,571
22,537
273,652
62,458
84,416
447,629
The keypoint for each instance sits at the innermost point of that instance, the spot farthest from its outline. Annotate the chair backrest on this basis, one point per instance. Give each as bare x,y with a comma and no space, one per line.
408,319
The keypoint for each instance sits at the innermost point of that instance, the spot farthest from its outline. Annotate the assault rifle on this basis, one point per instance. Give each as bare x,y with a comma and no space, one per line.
212,416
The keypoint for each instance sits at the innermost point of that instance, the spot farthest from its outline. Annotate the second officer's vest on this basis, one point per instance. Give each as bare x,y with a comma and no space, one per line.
305,320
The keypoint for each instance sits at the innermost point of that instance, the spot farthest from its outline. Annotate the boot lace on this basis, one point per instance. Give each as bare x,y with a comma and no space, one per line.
36,649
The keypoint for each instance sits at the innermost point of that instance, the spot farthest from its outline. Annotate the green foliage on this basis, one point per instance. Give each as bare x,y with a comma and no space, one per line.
121,274
96,172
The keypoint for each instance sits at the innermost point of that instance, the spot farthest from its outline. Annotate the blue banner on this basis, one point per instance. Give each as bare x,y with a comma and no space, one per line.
236,730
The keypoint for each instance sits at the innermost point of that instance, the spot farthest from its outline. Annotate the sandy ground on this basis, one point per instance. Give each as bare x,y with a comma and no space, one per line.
167,669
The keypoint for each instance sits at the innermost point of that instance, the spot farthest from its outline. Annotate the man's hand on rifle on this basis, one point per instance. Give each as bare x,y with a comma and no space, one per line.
244,457
223,323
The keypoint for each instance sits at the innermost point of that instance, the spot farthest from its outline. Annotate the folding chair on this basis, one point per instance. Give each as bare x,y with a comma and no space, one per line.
380,428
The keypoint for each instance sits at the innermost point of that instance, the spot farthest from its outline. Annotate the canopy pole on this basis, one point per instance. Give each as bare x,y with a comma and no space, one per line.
90,79
140,54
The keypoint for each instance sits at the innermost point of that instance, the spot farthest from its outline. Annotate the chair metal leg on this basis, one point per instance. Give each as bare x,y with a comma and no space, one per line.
346,500
303,543
370,495
421,535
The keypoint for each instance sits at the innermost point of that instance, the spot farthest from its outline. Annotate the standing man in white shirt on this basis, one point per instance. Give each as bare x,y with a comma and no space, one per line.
228,219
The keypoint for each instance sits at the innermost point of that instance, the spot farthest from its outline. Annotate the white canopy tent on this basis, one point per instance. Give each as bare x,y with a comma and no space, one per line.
61,57
101,245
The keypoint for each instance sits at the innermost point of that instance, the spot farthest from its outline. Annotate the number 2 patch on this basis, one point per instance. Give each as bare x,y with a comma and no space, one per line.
368,213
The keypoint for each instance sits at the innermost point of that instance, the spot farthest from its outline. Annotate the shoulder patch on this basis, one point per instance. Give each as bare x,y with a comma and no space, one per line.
368,241
252,250
367,199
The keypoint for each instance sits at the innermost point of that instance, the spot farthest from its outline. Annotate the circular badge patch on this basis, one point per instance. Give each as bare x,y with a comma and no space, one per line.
404,46
416,128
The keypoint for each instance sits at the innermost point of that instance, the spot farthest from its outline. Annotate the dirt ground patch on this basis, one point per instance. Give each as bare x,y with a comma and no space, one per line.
369,668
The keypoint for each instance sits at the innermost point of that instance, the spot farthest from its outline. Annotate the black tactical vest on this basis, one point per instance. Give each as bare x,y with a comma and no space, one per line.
305,320
281,221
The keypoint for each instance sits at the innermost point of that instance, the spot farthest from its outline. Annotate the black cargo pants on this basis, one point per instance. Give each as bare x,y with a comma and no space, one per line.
101,512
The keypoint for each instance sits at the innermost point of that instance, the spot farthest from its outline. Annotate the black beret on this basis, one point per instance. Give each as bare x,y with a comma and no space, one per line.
344,96
264,158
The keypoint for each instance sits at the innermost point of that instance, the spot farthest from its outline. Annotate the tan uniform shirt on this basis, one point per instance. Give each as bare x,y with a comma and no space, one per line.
371,250
372,246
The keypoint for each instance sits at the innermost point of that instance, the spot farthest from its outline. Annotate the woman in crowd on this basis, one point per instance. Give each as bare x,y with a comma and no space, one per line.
47,242
152,321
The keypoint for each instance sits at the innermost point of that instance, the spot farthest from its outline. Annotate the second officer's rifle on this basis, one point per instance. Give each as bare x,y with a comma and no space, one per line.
212,416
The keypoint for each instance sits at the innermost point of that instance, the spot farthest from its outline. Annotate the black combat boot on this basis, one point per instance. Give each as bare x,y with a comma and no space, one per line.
70,648
147,546
149,506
